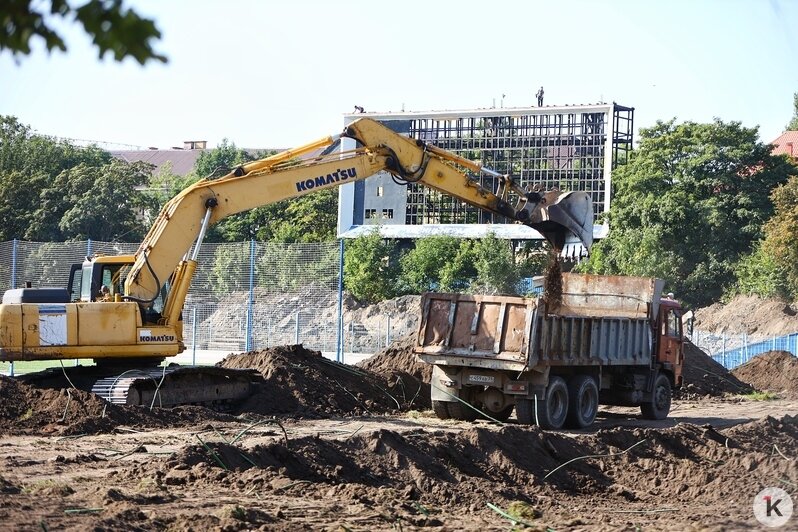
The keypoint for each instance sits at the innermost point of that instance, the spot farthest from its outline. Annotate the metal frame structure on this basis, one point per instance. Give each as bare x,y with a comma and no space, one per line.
565,147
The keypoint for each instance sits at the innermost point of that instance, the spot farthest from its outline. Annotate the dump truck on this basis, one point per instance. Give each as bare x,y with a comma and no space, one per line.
608,340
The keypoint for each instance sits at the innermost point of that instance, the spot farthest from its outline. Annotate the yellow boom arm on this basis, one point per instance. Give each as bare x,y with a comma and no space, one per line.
174,239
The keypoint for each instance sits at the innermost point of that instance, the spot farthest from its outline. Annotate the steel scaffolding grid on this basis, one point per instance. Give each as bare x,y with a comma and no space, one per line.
559,147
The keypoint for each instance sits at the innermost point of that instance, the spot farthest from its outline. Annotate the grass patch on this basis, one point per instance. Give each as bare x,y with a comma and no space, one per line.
232,512
48,487
419,414
761,396
523,511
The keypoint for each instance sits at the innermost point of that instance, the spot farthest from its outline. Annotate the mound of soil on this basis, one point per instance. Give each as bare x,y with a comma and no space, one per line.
704,376
446,469
748,314
398,363
774,371
301,382
27,409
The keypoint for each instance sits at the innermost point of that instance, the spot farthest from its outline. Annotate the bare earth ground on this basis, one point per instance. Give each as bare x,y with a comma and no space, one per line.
697,470
324,446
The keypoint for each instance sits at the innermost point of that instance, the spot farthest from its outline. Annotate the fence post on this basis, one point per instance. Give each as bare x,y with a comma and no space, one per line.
14,252
194,336
339,341
251,307
11,369
296,329
387,332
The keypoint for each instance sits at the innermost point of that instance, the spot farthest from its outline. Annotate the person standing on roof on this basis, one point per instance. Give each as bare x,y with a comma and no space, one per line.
540,97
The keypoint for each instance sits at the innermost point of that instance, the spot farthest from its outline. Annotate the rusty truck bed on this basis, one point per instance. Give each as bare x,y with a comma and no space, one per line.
602,321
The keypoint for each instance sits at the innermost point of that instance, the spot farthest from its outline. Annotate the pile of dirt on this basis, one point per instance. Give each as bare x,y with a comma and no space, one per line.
27,409
301,382
452,470
749,315
774,371
398,363
705,376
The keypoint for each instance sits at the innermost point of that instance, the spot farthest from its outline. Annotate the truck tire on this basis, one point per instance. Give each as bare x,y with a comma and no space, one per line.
461,412
583,399
501,415
660,404
552,410
441,410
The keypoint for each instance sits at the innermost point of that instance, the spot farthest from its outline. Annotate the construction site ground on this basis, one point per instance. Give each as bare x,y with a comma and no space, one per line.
700,469
324,446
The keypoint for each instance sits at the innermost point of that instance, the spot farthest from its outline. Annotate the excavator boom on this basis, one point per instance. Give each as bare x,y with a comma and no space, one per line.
122,321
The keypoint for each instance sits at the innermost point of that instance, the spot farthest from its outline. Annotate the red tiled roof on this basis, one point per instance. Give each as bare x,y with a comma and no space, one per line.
786,144
182,160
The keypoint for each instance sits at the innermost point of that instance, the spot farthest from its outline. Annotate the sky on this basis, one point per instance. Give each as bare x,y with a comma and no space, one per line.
280,74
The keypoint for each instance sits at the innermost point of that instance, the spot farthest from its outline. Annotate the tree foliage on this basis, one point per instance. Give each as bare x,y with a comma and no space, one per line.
440,263
112,27
495,265
371,270
51,190
761,274
781,235
691,201
792,125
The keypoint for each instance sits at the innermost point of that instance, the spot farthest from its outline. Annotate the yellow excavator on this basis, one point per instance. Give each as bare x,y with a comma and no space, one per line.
125,311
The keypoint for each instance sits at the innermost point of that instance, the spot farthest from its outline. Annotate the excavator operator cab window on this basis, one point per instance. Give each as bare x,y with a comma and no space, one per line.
101,282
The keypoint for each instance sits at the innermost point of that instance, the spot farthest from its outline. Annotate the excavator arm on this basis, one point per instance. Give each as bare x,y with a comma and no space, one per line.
170,249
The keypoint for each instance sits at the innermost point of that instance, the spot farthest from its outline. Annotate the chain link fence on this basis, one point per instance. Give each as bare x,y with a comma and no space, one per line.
244,296
732,350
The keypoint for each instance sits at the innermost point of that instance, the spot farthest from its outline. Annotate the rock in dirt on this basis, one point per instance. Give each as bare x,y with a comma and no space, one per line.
299,381
774,371
705,376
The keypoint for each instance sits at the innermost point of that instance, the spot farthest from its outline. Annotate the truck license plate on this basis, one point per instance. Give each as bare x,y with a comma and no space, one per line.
481,379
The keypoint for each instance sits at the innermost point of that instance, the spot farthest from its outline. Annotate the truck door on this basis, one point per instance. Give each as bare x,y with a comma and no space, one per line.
670,350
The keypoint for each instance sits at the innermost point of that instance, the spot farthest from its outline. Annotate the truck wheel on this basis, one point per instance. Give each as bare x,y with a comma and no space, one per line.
501,415
459,411
525,411
440,409
551,411
555,408
583,398
660,404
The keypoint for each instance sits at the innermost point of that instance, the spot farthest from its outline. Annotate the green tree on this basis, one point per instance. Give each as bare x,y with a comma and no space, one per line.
792,125
370,268
440,263
691,201
781,234
112,27
495,266
221,160
100,203
760,274
310,218
32,199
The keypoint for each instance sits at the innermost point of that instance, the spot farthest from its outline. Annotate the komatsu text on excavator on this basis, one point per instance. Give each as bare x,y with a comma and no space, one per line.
125,311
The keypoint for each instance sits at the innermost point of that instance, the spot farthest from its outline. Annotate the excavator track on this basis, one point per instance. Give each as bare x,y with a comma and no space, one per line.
154,386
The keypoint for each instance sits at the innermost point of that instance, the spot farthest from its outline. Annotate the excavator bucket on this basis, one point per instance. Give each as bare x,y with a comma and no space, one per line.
560,215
